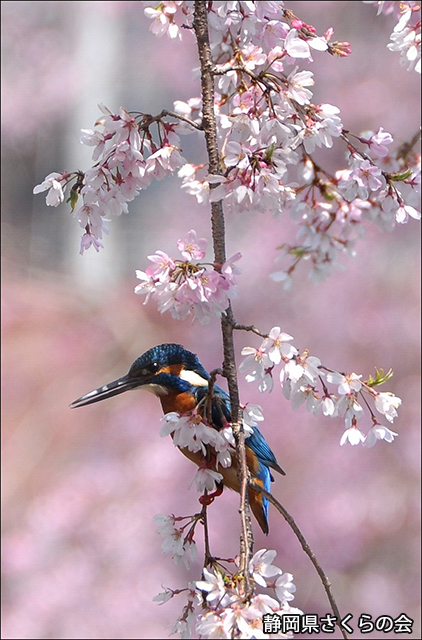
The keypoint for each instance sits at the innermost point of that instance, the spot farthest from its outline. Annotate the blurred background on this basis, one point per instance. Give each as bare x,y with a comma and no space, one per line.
81,558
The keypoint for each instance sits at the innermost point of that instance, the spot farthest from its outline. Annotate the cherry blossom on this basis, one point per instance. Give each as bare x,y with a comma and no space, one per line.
181,546
186,287
297,83
378,432
387,404
353,435
348,407
163,17
261,566
304,381
206,480
378,142
217,610
192,248
296,47
405,38
406,210
252,415
277,345
190,432
262,131
52,183
213,585
223,613
164,596
124,165
258,367
346,384
284,587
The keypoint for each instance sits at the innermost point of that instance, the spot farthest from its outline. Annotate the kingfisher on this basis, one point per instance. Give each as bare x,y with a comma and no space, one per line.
181,383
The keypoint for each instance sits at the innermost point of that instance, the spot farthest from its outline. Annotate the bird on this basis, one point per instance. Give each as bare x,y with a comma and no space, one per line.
178,378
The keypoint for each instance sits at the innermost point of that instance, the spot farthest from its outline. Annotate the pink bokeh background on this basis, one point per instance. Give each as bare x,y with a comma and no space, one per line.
81,558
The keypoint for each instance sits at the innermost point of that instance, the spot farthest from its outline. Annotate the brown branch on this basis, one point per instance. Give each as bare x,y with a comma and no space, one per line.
207,552
210,394
404,150
179,116
148,119
307,549
200,25
249,327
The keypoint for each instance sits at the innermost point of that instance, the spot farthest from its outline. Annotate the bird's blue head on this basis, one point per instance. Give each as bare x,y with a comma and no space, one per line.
163,369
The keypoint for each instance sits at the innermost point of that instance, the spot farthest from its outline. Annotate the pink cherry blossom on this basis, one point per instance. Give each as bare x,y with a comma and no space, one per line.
387,404
277,347
52,183
378,432
295,46
346,383
378,143
297,81
185,287
192,247
261,566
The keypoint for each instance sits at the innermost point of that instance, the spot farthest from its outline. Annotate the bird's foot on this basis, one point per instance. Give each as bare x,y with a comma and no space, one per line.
208,498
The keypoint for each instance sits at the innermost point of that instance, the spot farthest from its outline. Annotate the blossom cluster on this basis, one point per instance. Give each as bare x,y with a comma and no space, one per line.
182,546
185,287
304,380
332,211
217,609
168,17
191,431
125,162
268,129
406,35
215,605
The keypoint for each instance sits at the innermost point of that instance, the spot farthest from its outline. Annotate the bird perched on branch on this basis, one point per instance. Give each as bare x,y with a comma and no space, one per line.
182,384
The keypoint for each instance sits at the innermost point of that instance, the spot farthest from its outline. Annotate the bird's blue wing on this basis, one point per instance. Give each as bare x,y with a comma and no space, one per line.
259,445
265,476
256,441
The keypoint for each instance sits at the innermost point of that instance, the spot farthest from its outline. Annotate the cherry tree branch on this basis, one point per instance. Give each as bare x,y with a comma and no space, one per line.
249,327
165,113
200,25
207,552
307,549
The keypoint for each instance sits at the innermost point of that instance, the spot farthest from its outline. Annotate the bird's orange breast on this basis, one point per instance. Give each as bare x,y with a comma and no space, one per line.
176,401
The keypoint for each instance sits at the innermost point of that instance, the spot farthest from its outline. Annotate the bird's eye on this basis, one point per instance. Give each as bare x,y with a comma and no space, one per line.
149,369
137,371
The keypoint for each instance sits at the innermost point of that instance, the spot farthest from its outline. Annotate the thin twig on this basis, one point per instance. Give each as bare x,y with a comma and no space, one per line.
249,327
207,553
407,147
179,116
307,549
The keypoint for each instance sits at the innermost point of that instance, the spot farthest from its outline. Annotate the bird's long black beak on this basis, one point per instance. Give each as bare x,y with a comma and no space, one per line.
107,391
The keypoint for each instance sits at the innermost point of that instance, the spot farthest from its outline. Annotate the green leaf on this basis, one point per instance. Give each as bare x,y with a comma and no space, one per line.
380,377
270,151
399,177
73,198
